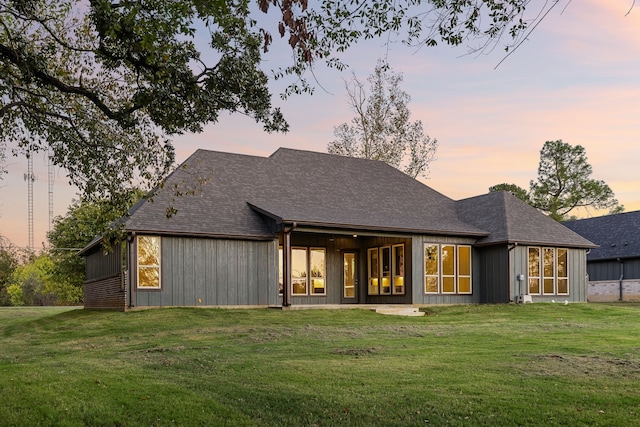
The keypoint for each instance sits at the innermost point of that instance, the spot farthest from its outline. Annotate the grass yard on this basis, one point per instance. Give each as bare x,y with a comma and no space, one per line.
493,365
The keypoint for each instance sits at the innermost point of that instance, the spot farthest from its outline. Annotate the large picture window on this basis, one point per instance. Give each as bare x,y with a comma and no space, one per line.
308,271
447,269
547,271
148,262
385,270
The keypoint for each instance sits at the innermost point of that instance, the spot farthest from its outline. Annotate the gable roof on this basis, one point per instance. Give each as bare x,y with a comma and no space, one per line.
346,192
308,188
209,191
510,220
618,235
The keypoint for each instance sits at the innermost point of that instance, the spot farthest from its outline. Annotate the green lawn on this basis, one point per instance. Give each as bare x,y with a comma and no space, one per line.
494,365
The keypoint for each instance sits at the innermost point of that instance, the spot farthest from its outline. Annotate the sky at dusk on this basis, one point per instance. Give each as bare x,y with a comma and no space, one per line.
577,78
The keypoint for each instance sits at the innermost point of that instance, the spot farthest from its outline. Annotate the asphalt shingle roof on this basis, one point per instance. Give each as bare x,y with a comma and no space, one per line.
330,190
214,189
510,220
294,186
617,235
229,195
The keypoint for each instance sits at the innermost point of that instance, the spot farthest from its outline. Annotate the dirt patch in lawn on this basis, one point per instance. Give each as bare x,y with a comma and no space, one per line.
591,365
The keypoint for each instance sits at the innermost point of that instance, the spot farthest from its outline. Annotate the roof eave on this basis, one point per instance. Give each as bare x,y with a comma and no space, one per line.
537,243
373,228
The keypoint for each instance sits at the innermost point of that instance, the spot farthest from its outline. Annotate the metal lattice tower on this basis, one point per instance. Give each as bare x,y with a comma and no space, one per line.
30,177
51,178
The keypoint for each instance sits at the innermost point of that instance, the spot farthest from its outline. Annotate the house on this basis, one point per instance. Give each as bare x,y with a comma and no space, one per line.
614,266
306,228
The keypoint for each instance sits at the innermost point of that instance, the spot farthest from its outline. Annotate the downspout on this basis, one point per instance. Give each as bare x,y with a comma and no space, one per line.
132,268
519,277
586,275
620,280
286,259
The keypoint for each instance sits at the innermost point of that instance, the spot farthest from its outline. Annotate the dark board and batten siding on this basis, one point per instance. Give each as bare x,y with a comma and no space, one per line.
611,269
214,272
100,264
419,296
493,273
104,286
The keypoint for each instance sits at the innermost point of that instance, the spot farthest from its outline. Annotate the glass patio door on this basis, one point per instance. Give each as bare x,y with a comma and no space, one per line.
350,277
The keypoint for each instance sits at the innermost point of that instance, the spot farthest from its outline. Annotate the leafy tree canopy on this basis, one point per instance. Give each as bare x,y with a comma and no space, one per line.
31,283
102,85
564,183
514,189
381,129
84,221
9,261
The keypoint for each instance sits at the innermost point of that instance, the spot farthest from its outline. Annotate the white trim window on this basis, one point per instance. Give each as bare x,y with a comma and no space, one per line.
386,270
397,262
318,276
447,269
299,276
373,271
148,256
547,271
308,271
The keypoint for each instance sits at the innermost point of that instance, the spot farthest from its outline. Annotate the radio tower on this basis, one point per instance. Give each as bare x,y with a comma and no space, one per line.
51,177
30,177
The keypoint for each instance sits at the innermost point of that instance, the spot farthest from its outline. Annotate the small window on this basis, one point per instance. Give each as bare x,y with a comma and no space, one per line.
431,268
563,275
464,269
548,268
398,269
317,268
148,262
385,261
448,269
534,270
299,271
373,269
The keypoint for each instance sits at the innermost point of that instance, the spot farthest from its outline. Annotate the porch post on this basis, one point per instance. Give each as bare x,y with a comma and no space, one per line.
286,259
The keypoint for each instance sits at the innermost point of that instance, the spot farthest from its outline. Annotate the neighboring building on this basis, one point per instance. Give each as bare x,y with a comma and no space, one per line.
613,267
305,228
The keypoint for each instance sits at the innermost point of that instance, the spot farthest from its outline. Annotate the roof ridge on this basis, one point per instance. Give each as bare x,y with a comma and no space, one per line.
505,212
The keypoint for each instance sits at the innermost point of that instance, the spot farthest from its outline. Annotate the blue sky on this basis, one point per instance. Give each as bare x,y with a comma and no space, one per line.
575,79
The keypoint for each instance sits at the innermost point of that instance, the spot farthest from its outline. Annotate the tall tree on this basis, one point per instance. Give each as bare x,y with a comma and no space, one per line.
381,129
564,183
104,84
514,189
